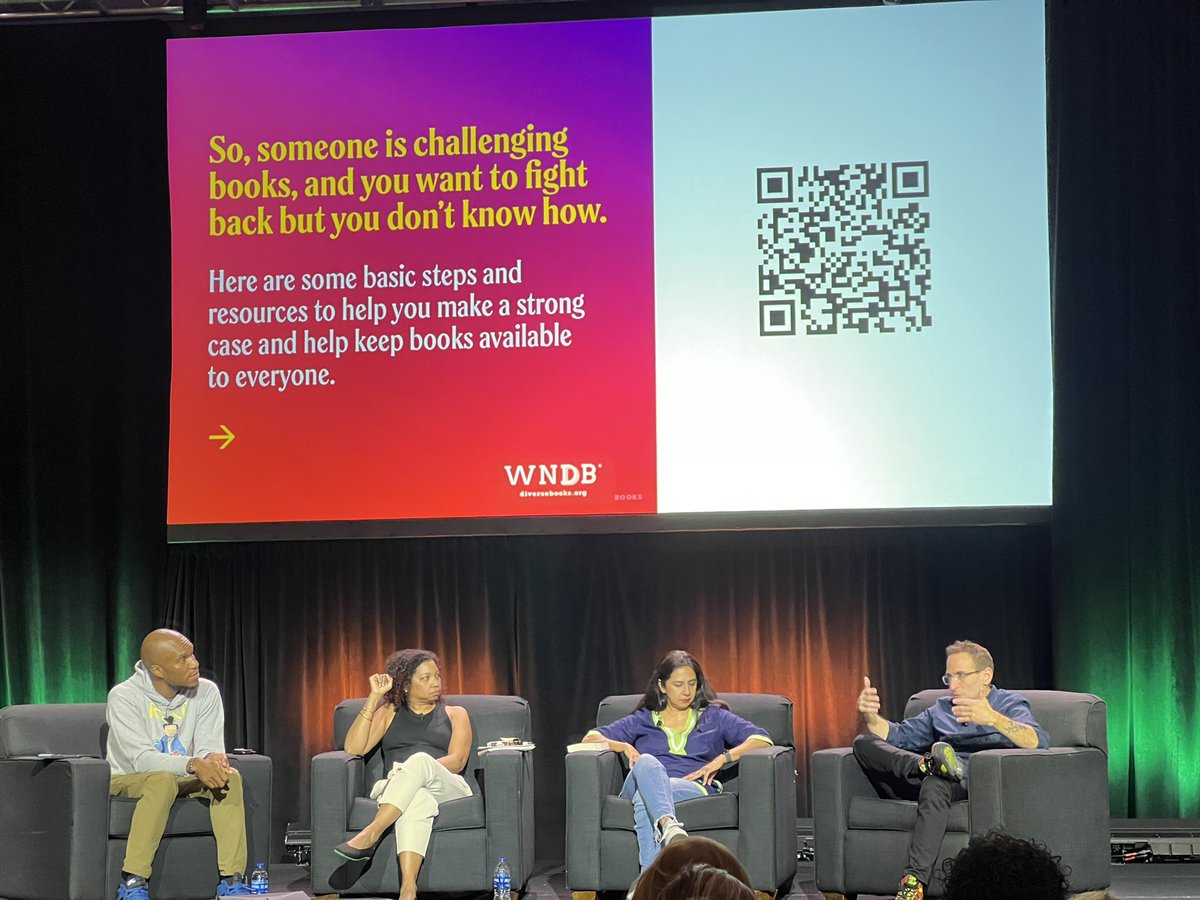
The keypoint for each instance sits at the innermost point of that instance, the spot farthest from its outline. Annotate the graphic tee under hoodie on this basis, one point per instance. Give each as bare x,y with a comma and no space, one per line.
149,733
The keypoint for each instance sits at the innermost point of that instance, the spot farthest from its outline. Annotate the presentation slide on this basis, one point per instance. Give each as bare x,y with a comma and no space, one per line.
737,263
851,258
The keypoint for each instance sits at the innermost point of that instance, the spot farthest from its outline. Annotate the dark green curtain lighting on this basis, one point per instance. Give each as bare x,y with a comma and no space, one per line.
1125,126
84,354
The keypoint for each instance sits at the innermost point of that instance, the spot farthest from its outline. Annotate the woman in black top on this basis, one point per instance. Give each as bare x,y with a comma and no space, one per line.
425,748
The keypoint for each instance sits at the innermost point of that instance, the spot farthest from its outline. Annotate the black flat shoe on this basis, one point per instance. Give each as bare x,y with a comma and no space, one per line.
345,851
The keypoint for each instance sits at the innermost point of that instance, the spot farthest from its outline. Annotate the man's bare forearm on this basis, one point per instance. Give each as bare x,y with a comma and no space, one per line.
1018,732
878,725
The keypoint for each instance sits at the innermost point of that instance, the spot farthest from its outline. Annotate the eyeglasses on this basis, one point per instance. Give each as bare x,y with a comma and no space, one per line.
946,679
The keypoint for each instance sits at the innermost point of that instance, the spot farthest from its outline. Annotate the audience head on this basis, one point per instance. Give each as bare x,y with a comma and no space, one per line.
692,851
677,662
997,866
402,666
700,881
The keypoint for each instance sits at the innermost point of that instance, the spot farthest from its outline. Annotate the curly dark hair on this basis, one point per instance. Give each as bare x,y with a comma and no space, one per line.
401,665
995,865
655,700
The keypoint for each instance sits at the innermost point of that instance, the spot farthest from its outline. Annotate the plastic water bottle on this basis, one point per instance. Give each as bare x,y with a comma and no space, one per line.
502,881
259,883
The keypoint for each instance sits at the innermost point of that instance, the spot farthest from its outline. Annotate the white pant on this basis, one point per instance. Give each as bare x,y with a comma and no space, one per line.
415,787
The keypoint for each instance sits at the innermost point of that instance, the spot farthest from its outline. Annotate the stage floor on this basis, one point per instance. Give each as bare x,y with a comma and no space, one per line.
1144,881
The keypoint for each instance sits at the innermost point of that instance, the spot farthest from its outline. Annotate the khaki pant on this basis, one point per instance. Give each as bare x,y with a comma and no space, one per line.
155,792
416,786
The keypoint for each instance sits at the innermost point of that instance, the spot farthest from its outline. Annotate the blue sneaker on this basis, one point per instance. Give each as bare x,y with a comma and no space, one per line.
232,886
133,888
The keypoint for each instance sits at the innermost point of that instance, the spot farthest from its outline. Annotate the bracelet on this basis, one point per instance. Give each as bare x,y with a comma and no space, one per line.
728,756
369,718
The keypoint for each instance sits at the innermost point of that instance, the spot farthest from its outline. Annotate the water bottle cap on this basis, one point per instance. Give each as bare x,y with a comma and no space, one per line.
503,859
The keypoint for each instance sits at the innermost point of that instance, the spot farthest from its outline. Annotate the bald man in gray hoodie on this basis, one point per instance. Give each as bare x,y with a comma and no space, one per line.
165,697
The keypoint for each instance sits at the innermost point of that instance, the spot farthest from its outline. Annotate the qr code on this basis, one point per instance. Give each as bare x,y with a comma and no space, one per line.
849,243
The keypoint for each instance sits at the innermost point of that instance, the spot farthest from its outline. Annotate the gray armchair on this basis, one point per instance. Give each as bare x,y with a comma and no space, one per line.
469,835
63,838
755,816
1058,796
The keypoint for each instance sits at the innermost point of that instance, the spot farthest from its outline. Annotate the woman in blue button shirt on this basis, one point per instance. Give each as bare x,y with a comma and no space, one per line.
677,740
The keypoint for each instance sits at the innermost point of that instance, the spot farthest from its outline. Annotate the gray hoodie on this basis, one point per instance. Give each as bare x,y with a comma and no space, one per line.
148,733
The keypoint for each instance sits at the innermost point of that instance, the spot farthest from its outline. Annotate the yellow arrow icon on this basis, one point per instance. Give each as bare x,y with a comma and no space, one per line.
225,438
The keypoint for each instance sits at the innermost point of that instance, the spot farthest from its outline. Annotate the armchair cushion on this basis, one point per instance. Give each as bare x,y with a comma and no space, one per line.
768,711
1071,719
900,815
189,816
453,815
700,814
64,728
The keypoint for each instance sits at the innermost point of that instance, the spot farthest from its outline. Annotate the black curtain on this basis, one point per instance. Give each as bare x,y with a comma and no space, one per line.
289,629
84,352
1125,140
1104,599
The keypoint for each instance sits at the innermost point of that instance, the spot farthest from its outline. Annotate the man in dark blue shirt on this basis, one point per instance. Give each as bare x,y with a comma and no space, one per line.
925,758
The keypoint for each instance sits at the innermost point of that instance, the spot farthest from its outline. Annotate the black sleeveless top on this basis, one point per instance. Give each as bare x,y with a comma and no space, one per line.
410,733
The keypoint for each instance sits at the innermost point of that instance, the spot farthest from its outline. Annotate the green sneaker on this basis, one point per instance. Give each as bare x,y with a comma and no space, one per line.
910,888
942,761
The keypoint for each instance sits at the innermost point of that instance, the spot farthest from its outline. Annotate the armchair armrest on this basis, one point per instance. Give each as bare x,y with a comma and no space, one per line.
1026,791
767,815
591,776
508,810
44,802
837,778
337,779
257,772
1058,796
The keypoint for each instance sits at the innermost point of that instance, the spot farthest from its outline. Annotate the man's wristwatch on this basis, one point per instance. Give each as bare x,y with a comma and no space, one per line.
189,769
728,758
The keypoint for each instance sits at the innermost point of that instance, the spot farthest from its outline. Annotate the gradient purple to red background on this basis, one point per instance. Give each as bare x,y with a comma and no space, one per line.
421,434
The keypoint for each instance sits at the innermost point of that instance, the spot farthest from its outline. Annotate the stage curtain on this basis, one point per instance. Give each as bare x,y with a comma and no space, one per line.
84,354
289,629
1125,129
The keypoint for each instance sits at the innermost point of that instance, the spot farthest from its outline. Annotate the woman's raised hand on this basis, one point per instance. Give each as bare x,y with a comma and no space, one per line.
381,683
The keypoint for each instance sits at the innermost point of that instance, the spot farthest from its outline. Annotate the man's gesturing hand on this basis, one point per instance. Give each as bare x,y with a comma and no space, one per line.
977,711
868,700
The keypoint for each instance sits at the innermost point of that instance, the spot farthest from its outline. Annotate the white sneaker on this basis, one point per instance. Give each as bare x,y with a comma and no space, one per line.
672,831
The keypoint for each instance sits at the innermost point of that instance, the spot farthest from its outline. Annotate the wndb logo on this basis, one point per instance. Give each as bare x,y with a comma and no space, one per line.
564,474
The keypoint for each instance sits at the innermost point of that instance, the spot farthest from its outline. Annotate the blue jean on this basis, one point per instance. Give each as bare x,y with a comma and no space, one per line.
654,794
